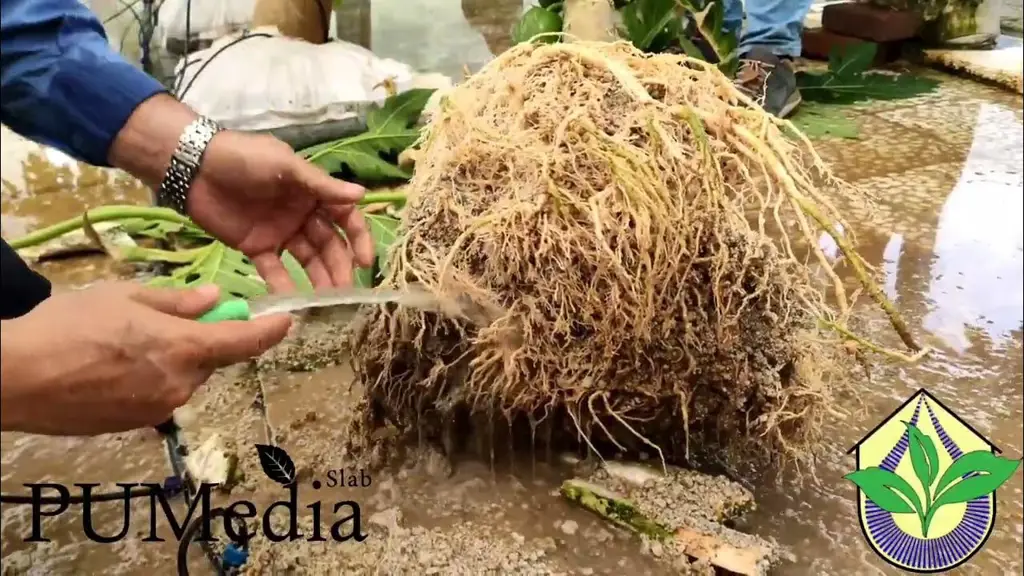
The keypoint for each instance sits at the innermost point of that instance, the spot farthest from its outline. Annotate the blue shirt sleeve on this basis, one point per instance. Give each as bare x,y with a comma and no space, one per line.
61,83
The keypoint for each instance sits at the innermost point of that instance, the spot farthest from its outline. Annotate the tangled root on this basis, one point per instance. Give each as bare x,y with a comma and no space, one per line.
649,240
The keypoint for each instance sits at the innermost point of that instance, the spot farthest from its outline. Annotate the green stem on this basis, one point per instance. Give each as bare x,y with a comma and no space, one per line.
102,214
153,213
389,196
926,522
143,254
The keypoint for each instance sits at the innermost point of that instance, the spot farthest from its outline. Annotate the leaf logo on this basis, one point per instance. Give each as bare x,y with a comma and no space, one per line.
276,464
927,485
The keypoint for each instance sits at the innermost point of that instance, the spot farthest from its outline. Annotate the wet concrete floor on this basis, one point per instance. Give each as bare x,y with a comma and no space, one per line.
948,232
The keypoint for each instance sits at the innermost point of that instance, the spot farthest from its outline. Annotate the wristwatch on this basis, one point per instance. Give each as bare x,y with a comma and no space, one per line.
184,166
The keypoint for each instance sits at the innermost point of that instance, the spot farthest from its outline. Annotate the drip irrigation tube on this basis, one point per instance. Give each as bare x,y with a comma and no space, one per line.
225,564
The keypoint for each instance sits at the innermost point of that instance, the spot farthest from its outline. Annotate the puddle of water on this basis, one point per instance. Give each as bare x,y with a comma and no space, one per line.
947,238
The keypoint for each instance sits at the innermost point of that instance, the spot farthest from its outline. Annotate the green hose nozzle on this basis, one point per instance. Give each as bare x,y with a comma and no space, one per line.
236,309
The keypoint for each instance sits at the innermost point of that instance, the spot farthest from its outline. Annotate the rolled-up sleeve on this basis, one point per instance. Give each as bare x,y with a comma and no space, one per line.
61,83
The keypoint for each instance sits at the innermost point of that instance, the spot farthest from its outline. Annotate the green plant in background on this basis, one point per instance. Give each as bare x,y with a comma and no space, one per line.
708,21
669,25
652,25
187,256
539,24
972,475
850,80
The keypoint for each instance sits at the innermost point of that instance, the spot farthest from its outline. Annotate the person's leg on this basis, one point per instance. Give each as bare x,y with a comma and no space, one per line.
775,25
733,15
767,48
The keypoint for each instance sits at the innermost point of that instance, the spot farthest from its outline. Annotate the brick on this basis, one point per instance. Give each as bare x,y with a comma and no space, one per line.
818,44
870,22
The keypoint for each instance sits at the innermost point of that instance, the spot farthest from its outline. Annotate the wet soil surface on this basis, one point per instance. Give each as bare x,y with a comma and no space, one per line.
947,232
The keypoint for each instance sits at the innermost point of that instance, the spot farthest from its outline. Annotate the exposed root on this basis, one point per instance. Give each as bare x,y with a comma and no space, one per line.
642,234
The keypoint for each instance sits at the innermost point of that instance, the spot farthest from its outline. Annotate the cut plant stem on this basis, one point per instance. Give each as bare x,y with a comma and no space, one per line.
700,544
97,215
155,214
389,196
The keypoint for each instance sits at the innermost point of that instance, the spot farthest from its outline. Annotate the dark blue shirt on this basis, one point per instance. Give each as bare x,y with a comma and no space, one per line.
61,83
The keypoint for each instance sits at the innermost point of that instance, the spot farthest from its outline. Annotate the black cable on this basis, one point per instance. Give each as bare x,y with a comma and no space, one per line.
167,429
246,36
192,531
175,452
325,22
188,46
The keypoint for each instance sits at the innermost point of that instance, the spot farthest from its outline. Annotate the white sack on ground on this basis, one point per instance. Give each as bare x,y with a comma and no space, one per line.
262,83
208,20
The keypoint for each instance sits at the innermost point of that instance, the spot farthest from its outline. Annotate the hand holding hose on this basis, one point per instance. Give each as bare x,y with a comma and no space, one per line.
118,356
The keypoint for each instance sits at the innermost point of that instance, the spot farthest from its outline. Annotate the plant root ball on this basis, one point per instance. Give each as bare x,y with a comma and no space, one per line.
634,222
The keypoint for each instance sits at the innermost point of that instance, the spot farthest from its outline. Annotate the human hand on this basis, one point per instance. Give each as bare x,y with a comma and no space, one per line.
257,196
253,193
117,357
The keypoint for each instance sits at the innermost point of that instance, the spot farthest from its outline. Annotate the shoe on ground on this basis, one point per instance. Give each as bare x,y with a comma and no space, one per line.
769,80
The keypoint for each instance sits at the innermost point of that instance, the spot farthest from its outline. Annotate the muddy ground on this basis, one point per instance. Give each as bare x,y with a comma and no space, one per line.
426,515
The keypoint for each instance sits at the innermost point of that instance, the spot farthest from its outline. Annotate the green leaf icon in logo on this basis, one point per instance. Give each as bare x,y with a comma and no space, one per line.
923,458
988,473
970,476
887,490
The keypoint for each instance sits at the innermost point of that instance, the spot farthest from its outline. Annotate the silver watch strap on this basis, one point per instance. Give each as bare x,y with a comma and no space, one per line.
185,163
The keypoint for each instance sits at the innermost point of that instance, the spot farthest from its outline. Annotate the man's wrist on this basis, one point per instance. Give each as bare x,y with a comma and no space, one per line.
185,164
16,373
146,143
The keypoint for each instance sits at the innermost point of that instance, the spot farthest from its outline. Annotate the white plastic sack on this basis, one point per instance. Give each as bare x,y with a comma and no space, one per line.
263,83
209,19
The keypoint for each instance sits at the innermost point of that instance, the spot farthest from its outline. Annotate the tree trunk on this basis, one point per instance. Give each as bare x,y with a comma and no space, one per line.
308,20
590,20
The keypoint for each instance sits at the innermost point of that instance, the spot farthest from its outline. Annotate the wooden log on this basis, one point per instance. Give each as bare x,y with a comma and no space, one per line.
309,20
717,545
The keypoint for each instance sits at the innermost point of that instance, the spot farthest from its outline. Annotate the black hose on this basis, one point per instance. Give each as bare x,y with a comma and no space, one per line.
192,531
175,452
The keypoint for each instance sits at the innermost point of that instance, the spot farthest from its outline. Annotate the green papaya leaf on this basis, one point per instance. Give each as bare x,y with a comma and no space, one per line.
708,17
160,229
399,112
851,60
651,25
227,268
817,120
296,272
849,79
991,472
384,230
923,457
390,130
155,255
885,489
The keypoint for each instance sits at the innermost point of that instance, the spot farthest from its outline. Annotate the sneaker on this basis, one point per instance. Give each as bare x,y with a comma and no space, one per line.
770,81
